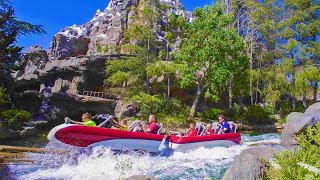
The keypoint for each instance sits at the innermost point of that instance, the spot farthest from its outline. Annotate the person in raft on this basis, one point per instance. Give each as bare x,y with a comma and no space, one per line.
192,131
209,130
86,118
152,127
224,125
123,125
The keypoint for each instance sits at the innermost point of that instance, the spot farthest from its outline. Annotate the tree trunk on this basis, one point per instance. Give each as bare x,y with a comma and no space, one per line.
251,64
195,102
315,92
167,58
230,92
305,100
148,50
168,86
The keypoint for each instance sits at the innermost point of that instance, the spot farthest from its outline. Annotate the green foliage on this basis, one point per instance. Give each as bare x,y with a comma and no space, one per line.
3,97
14,119
256,115
174,121
212,114
304,163
162,107
10,29
211,52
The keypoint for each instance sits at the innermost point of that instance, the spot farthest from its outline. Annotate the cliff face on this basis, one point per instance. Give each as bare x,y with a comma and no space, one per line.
56,80
105,28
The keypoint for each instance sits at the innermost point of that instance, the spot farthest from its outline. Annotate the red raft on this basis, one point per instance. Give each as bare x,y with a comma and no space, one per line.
84,136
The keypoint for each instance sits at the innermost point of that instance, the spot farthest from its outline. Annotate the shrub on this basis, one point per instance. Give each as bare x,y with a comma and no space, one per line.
212,114
160,106
173,121
14,119
256,114
304,163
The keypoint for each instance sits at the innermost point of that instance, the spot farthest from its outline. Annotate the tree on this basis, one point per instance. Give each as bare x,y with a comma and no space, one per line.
211,52
10,29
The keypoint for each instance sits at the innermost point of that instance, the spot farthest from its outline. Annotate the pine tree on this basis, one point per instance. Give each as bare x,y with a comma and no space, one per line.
10,29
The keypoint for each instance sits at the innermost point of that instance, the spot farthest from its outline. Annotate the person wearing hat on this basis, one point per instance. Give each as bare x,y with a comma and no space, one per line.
86,118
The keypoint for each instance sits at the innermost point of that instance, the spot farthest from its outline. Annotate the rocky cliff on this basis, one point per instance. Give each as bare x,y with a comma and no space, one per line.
52,83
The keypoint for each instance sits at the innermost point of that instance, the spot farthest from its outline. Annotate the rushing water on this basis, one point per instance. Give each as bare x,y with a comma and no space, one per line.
101,163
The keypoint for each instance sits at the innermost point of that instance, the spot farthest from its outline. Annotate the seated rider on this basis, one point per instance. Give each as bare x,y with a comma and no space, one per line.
152,127
192,131
209,130
86,118
123,125
224,125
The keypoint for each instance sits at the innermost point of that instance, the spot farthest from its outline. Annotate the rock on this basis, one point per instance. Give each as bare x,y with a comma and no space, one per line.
28,131
70,42
297,122
314,110
125,109
249,165
8,133
141,177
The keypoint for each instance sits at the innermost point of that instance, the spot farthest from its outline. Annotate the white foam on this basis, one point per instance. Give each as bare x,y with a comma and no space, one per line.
101,163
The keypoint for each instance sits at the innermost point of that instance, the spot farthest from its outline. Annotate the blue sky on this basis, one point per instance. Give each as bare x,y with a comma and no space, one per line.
54,15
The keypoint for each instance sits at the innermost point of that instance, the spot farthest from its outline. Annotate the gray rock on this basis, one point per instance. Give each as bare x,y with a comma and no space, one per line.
297,122
125,109
8,133
28,131
141,177
249,164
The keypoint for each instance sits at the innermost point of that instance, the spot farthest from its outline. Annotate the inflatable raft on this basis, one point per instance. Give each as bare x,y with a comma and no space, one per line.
118,140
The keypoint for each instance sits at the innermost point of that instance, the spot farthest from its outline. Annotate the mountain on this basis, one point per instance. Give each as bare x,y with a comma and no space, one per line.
57,80
105,28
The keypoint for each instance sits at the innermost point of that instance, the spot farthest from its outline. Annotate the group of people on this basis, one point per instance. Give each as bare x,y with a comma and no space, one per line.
152,127
223,127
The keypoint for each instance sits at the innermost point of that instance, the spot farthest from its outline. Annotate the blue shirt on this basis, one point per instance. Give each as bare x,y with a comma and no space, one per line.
226,125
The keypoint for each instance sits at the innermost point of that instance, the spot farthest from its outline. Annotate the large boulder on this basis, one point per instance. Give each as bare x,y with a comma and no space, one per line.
125,109
297,122
250,163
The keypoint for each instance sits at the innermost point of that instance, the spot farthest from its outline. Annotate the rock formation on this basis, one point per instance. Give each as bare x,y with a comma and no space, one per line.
249,165
52,84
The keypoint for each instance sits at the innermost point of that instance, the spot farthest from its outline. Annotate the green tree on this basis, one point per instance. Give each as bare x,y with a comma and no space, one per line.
10,29
211,52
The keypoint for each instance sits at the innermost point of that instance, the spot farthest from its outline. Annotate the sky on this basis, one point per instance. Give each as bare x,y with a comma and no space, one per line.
55,15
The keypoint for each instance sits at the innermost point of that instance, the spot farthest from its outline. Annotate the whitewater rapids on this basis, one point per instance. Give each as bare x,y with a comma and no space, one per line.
101,163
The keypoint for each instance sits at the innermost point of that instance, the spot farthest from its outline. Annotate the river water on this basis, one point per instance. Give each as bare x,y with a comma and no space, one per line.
102,163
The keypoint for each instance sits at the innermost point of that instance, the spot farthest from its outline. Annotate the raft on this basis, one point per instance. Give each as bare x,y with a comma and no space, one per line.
119,140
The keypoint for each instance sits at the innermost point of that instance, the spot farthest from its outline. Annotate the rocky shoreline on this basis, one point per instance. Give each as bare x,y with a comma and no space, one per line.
251,163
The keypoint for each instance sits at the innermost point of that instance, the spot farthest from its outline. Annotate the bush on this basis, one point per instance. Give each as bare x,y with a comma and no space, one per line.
174,122
160,106
14,119
304,163
256,114
212,114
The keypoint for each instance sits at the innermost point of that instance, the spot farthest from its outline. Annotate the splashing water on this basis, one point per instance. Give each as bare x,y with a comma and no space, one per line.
102,163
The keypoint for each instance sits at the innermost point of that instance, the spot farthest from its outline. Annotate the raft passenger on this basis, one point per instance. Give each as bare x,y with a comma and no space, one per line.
209,130
224,125
86,118
123,125
152,127
192,131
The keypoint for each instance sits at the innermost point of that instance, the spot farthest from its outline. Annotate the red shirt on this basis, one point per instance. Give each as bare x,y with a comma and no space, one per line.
153,127
192,132
209,132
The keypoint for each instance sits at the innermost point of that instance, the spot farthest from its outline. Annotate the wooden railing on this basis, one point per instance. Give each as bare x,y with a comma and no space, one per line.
99,95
